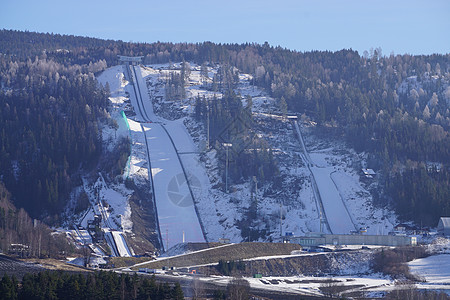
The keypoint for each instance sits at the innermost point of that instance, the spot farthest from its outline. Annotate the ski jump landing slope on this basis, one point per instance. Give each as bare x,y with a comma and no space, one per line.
174,203
335,211
337,215
177,218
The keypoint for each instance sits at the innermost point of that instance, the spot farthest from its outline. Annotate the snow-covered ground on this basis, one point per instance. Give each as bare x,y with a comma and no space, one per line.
121,244
337,215
337,165
434,269
332,163
81,236
110,200
220,212
312,285
178,221
177,217
308,285
216,218
116,195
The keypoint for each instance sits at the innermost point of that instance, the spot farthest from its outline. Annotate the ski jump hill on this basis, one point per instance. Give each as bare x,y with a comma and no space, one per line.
177,217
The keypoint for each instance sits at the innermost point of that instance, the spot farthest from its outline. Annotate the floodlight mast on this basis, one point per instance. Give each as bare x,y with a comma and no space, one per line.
227,146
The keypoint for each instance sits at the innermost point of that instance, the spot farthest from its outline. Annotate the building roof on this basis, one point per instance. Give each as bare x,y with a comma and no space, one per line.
445,221
368,172
130,58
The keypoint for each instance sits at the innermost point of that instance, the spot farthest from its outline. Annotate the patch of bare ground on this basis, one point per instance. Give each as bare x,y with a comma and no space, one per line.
310,265
144,238
226,253
54,264
17,268
123,262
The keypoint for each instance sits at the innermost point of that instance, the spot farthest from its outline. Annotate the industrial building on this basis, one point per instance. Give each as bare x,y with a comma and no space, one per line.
444,226
318,239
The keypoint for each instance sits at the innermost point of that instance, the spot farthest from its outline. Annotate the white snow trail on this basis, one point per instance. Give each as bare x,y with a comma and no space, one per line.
330,200
177,217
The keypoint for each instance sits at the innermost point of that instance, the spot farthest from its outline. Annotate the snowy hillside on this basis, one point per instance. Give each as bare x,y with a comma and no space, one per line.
220,213
111,200
223,215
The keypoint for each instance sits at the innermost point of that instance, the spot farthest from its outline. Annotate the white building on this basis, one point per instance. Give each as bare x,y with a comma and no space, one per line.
444,226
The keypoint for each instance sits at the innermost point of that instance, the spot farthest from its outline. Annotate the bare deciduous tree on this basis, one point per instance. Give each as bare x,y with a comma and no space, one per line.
238,289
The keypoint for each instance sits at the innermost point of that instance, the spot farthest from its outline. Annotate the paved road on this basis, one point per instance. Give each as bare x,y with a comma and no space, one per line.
191,286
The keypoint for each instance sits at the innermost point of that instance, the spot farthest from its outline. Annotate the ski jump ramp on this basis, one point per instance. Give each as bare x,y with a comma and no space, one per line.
178,221
177,218
336,213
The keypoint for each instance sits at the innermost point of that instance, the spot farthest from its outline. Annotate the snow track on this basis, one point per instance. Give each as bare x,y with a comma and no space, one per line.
82,236
308,162
136,99
337,215
176,212
112,244
120,243
117,243
330,200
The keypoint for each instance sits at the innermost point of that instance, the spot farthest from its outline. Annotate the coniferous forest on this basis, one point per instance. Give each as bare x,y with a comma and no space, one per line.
393,107
49,130
99,285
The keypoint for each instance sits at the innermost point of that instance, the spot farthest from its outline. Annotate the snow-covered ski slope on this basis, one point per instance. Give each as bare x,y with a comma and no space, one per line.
220,212
122,247
177,217
117,243
174,203
337,215
139,95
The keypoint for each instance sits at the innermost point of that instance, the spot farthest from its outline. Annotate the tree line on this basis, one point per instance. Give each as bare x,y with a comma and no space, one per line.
49,131
98,285
16,227
393,107
232,135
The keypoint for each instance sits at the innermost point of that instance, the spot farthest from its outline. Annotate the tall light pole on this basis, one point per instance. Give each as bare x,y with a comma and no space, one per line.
227,146
207,141
256,192
281,219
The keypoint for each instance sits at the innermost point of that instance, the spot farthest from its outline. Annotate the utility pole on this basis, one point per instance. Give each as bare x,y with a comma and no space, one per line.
40,238
256,192
321,221
226,174
167,239
207,141
226,145
281,219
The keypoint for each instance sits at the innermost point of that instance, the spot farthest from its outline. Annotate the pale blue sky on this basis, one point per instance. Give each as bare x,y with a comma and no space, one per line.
412,26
